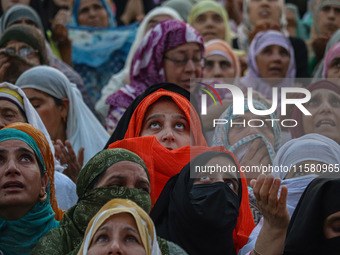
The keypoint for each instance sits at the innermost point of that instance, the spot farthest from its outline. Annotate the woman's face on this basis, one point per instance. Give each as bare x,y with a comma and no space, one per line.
329,19
182,64
92,13
273,62
324,106
264,11
46,107
333,72
230,178
155,20
217,66
6,4
291,22
239,131
117,235
21,183
9,113
125,174
210,25
166,121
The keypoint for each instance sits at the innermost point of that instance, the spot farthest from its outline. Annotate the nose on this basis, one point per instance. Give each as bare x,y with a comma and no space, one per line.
325,107
12,168
167,135
92,12
189,66
217,71
264,2
115,248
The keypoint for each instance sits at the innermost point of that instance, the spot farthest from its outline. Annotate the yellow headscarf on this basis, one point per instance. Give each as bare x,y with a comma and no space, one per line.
209,5
144,224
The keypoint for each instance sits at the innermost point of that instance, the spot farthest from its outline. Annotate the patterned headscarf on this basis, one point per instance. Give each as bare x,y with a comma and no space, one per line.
147,65
145,226
21,235
222,131
209,5
68,237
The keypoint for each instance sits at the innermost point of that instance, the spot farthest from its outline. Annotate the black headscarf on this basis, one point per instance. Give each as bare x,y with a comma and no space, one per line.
123,123
305,233
196,218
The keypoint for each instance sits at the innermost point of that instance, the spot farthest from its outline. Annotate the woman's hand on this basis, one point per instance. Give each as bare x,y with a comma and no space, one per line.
66,155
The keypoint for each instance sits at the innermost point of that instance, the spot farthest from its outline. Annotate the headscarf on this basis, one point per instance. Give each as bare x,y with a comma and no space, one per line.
17,12
110,15
253,78
332,41
298,130
332,54
300,29
209,5
21,235
219,47
63,184
145,226
68,237
82,127
147,64
163,164
246,26
222,131
308,147
182,7
47,156
117,80
317,202
201,229
137,119
26,34
123,123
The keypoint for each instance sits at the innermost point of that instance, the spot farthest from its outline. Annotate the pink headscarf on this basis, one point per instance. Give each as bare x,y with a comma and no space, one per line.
332,54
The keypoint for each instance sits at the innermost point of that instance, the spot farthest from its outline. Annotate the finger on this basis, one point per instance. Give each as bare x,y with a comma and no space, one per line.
81,156
71,153
273,193
252,183
264,192
282,202
258,185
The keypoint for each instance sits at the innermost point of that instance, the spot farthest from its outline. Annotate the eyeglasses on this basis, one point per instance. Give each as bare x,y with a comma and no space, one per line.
24,52
198,61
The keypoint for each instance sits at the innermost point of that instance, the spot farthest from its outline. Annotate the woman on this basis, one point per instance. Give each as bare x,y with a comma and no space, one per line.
163,55
114,173
20,14
220,61
316,205
25,193
190,211
51,93
211,21
15,107
295,27
323,105
270,56
331,64
142,236
93,33
296,164
118,80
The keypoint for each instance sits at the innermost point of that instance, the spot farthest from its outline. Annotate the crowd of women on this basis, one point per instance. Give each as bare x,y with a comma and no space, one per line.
110,144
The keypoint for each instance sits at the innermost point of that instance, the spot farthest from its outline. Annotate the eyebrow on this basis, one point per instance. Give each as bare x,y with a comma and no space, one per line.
128,228
155,116
34,98
21,149
186,51
334,219
103,228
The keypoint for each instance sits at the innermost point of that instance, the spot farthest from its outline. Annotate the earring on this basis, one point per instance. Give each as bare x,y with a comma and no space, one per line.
43,198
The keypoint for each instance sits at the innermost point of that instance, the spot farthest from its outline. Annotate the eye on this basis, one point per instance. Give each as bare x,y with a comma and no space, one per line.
313,102
179,125
326,8
26,158
131,239
225,64
36,106
97,7
84,10
284,52
155,125
208,64
102,238
335,63
335,102
145,188
217,18
229,184
267,50
205,178
201,18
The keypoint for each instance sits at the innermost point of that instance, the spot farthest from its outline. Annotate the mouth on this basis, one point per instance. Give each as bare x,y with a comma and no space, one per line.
275,70
264,13
325,123
169,148
13,185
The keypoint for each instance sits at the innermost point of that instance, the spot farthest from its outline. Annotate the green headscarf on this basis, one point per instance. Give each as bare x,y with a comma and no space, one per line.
209,5
68,237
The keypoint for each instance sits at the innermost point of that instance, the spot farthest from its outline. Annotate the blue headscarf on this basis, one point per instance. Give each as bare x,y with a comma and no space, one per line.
222,131
20,236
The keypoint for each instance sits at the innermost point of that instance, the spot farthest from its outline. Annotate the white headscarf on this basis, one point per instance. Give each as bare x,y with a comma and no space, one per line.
82,127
